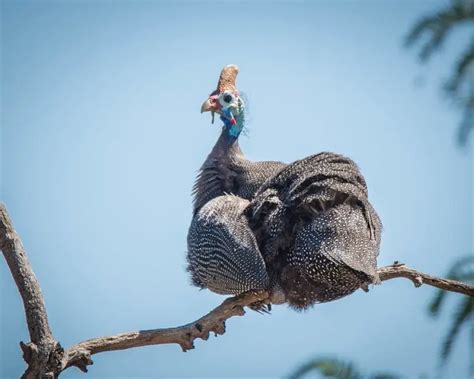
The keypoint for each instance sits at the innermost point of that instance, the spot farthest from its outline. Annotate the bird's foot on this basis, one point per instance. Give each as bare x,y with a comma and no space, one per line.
262,306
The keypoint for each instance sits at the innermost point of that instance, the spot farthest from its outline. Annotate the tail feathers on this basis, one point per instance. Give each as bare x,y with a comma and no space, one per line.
332,256
323,164
328,182
329,175
341,235
321,196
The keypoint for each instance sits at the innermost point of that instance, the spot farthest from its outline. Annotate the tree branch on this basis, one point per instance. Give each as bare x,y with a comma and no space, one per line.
46,358
399,270
40,352
183,335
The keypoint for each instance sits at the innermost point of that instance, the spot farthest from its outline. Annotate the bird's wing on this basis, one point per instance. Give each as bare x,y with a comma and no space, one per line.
223,255
316,229
317,183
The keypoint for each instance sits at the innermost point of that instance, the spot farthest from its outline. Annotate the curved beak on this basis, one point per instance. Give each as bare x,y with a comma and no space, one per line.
206,106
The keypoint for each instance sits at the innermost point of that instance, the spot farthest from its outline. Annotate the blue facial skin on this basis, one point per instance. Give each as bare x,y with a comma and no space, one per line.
233,129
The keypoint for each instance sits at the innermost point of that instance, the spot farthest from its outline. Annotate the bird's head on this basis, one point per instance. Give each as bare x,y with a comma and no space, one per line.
226,101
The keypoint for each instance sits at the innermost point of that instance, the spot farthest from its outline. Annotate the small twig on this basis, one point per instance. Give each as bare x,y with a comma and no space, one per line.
46,358
398,270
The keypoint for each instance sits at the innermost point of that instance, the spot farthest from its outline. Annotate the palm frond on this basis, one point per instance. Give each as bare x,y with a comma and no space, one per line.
330,368
467,122
461,270
462,69
434,307
463,313
438,25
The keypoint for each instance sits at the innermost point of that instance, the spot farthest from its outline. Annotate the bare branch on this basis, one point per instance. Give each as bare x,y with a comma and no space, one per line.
398,270
47,359
213,322
39,352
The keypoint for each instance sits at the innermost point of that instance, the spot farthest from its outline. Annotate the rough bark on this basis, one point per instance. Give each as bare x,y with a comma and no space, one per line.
399,270
43,352
47,359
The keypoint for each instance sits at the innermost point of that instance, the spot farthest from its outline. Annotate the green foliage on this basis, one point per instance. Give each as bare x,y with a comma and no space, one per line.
333,368
462,314
460,86
461,270
439,24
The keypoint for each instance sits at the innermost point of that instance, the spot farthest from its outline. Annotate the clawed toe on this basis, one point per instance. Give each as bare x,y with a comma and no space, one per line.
261,307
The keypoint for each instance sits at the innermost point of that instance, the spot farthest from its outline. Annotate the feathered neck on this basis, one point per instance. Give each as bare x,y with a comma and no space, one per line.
215,176
227,145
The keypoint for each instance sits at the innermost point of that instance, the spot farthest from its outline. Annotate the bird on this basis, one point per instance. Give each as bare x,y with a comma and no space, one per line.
226,170
305,231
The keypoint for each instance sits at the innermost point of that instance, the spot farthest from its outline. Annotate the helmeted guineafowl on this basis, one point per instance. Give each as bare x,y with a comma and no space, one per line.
306,230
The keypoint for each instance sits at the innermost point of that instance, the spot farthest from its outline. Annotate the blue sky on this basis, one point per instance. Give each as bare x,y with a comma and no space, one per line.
102,139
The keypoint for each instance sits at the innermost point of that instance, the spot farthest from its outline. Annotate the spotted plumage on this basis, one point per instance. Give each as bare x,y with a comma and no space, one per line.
222,249
226,170
305,230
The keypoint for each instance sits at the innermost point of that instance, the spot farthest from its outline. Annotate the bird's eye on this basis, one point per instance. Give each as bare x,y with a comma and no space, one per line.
226,98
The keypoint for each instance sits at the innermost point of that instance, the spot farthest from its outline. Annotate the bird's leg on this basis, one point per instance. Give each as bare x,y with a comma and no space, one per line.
262,306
